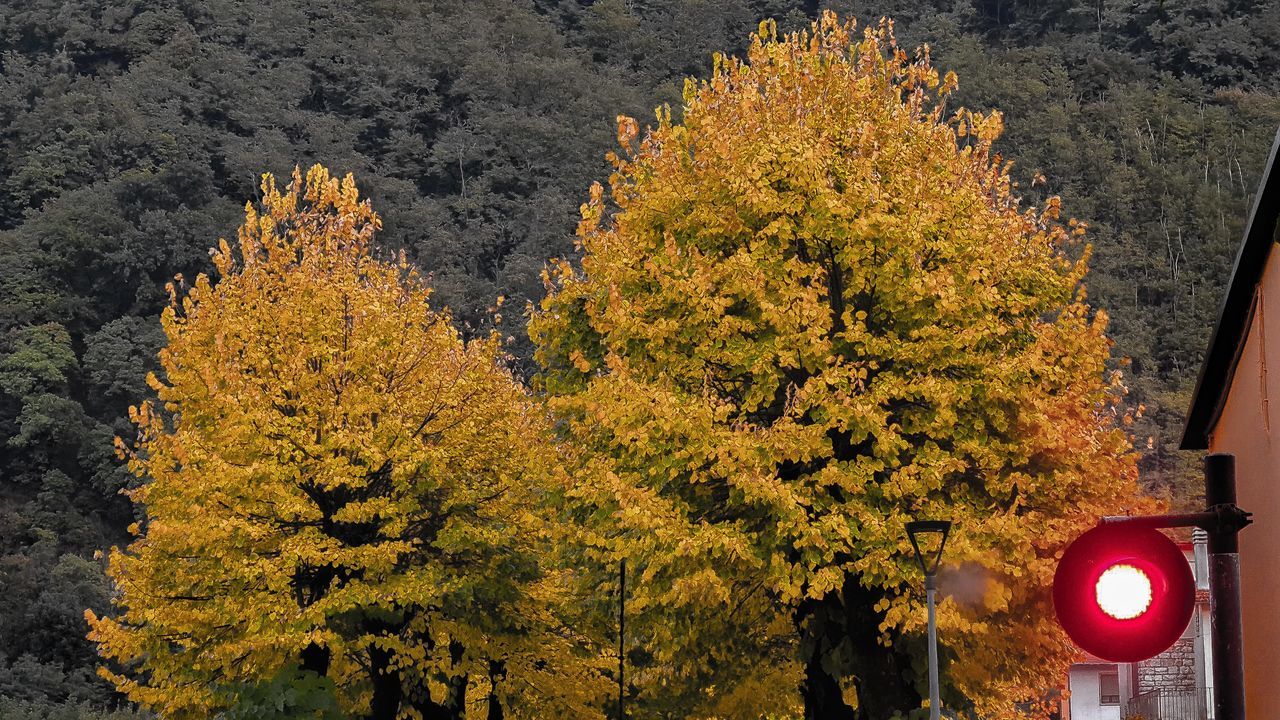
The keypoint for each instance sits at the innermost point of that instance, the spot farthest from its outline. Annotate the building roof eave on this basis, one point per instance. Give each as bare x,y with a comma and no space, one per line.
1235,313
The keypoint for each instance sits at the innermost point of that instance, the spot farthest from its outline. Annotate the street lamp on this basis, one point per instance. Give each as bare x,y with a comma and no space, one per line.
916,529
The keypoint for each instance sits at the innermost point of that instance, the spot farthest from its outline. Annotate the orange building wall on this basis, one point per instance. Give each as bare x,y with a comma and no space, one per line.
1249,427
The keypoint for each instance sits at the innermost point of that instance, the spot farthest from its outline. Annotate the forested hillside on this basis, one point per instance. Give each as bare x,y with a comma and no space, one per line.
133,131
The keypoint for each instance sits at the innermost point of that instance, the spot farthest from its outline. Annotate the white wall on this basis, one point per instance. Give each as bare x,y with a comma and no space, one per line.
1084,683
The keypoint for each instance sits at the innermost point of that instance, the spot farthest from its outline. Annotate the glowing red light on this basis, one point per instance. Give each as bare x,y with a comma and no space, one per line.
1123,591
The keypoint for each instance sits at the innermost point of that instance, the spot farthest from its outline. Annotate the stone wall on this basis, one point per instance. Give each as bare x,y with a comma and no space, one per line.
1173,669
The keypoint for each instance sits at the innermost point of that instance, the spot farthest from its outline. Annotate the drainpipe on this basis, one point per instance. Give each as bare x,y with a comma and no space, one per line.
1204,638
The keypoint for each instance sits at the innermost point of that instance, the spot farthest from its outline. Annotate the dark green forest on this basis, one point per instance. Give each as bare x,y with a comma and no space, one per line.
133,131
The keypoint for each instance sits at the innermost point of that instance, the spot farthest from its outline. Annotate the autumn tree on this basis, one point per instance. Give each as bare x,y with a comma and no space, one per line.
341,495
807,313
132,138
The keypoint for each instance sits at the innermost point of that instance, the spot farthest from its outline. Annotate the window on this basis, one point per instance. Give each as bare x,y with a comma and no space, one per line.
1109,688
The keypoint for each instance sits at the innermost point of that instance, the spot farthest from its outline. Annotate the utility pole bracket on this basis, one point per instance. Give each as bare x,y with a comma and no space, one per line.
1228,517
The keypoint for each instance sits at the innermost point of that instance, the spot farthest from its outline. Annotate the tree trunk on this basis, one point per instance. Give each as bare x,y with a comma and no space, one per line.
820,690
387,690
497,672
431,710
315,658
456,701
876,672
883,686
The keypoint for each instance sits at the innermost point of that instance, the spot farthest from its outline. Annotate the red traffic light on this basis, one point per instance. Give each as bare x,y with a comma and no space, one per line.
1123,593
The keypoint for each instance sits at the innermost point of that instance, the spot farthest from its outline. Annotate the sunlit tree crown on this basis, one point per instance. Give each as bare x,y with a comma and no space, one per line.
807,312
335,481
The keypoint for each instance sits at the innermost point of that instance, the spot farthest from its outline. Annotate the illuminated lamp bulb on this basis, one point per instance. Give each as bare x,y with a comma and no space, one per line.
1123,592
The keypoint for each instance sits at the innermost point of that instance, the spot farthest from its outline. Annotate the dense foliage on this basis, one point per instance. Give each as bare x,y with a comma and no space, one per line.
337,484
806,314
131,132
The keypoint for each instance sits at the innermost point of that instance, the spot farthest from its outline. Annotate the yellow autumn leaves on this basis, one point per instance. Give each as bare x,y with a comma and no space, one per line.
336,479
807,313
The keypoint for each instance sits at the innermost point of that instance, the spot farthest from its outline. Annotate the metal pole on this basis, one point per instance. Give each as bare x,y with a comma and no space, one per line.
935,703
1224,588
622,629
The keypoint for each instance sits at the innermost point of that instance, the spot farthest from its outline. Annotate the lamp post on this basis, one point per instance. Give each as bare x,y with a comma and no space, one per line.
916,529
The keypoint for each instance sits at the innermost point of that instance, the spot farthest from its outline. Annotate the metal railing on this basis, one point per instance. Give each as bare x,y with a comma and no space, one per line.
1161,704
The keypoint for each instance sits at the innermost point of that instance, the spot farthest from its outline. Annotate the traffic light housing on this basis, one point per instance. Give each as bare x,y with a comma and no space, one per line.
1123,593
